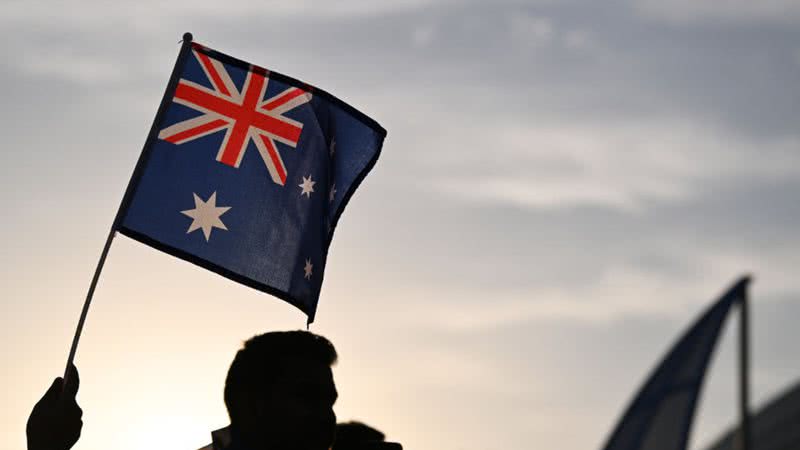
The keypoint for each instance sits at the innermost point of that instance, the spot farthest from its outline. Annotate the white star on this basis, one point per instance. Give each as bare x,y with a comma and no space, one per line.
307,269
205,215
333,193
307,186
333,146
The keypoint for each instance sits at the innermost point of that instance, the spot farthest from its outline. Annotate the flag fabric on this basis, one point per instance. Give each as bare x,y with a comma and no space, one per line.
660,417
246,173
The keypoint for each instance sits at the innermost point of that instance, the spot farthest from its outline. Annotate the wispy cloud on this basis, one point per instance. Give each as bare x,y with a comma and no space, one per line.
622,166
735,11
99,12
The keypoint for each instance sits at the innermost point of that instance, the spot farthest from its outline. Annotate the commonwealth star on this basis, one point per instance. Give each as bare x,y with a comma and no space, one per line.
205,215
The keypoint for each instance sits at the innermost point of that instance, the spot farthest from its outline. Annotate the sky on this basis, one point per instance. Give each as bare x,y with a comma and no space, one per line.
564,187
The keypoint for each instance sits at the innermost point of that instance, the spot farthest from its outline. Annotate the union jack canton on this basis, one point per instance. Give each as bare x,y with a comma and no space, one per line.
246,173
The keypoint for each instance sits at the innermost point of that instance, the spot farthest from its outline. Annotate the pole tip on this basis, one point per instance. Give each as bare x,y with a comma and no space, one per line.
187,37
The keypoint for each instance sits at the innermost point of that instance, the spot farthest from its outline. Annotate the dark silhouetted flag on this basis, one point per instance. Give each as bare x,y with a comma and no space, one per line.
660,417
248,175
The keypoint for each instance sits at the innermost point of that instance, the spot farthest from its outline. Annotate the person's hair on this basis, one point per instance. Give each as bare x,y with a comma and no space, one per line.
261,359
350,435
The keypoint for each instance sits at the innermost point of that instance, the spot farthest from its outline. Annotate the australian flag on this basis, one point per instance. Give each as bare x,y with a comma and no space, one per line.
246,173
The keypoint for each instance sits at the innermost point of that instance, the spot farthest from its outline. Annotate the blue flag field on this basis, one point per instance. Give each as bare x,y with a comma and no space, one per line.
246,173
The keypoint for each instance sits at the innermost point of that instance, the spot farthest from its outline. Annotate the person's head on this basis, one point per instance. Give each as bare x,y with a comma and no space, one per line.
280,392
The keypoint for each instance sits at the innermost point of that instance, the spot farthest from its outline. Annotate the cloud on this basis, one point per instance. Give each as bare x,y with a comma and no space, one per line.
578,40
69,66
490,265
423,35
735,11
621,292
531,30
101,13
627,166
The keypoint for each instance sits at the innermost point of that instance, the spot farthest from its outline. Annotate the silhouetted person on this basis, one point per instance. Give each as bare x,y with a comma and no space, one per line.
279,393
55,422
359,436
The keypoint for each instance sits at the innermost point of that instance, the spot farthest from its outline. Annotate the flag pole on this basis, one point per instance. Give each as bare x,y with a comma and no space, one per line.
87,302
137,173
744,374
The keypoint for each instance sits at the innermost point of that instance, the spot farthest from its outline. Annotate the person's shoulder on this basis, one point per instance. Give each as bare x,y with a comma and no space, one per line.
220,440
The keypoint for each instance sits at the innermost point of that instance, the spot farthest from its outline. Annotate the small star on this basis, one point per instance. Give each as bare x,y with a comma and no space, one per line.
307,269
307,186
333,146
333,193
205,215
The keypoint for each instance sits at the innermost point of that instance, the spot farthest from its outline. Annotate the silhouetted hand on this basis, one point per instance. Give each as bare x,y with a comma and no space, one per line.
55,422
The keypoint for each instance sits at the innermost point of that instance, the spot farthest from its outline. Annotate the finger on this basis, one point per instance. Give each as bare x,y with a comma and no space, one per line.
72,382
53,392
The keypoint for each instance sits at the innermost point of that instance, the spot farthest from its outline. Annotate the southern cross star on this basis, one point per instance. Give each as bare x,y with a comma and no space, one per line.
307,186
205,215
307,269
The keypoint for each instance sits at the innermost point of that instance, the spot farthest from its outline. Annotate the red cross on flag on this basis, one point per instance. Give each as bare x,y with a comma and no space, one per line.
243,115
